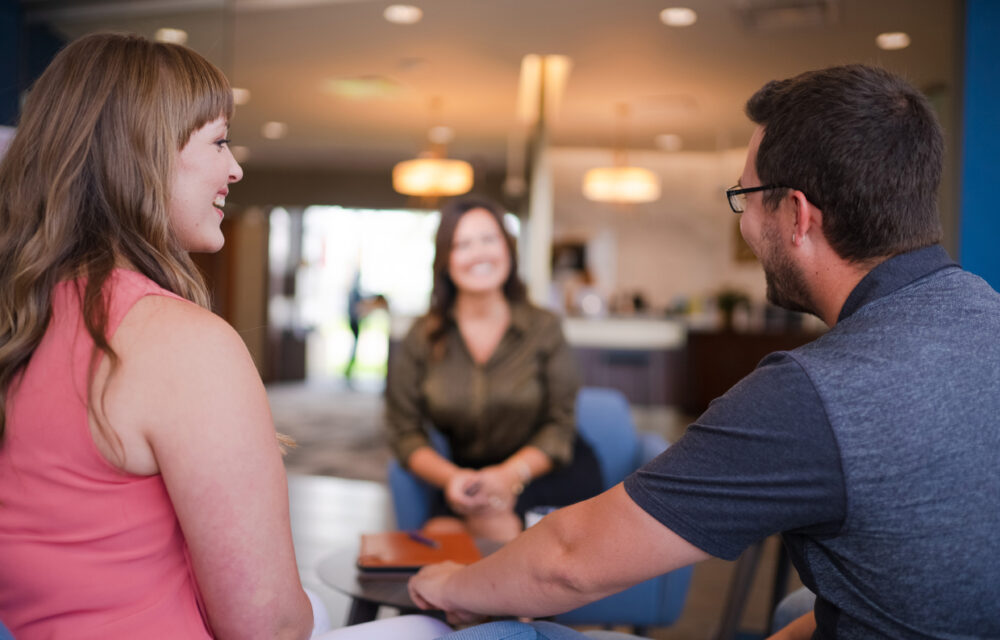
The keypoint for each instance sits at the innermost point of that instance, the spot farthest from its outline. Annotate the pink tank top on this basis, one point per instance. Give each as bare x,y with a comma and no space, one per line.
86,551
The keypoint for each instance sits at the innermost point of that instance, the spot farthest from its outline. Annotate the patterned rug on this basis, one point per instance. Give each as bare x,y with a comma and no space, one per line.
337,428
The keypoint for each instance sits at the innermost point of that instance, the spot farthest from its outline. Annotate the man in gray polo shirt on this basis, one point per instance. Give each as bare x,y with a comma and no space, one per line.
874,450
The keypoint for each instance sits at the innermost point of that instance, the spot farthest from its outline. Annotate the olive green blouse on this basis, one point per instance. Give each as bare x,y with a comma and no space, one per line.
523,395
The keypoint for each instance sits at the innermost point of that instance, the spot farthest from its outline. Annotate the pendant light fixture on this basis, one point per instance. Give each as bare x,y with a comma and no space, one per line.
432,174
621,183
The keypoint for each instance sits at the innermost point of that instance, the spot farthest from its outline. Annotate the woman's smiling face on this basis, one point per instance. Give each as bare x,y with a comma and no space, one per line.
479,260
203,170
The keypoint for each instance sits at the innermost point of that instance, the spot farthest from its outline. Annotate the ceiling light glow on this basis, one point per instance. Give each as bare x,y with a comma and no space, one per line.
441,134
892,40
669,142
402,14
432,177
241,95
274,130
621,184
173,36
368,87
678,17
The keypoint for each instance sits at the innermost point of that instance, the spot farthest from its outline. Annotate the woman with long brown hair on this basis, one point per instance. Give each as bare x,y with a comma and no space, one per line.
495,376
142,493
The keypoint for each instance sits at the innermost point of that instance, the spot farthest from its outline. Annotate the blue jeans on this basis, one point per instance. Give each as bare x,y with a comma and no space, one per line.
513,630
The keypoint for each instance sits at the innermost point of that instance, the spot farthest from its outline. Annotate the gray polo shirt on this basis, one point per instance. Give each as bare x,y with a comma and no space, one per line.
873,449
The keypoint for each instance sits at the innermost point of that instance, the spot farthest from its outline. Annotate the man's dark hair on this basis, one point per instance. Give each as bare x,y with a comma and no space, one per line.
864,146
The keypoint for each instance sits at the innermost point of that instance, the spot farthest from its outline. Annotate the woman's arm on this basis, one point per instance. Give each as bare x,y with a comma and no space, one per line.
509,478
404,415
557,430
187,384
431,466
462,487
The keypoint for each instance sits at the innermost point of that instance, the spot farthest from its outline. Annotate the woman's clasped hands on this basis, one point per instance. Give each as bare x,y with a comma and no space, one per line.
477,492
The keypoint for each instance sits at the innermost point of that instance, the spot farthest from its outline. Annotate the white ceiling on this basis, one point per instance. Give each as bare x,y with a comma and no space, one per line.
691,81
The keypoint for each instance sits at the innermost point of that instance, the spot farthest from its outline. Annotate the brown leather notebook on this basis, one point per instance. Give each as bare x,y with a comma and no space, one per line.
404,551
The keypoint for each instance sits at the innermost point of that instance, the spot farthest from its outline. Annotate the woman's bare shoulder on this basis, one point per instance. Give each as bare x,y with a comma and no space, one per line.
181,359
158,323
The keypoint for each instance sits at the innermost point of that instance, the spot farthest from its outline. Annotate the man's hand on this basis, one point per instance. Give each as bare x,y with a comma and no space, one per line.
427,591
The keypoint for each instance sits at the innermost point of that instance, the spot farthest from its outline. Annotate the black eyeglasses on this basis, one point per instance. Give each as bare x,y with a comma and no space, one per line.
738,197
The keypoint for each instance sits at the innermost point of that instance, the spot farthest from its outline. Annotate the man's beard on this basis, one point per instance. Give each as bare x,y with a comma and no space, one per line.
786,285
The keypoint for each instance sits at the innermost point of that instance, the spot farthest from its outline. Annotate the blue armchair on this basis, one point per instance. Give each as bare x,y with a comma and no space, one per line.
604,420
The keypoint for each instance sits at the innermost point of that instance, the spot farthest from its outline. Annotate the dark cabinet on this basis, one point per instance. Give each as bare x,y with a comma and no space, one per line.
716,360
646,377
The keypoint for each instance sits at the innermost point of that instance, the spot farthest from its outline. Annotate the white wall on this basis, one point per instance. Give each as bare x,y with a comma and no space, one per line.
682,245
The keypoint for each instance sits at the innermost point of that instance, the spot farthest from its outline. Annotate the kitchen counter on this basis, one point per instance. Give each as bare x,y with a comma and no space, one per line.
608,333
625,333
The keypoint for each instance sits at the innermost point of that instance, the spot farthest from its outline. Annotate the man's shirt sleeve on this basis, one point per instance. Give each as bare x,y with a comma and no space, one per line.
762,459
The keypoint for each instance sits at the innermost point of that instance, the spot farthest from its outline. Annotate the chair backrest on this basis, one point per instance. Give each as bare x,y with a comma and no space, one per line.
604,420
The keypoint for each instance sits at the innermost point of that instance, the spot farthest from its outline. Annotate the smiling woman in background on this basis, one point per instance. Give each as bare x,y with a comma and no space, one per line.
495,376
142,493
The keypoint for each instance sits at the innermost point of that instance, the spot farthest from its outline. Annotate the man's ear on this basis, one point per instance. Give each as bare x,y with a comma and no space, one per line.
807,216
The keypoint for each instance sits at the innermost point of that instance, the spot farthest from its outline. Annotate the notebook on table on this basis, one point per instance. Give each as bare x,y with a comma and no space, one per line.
403,552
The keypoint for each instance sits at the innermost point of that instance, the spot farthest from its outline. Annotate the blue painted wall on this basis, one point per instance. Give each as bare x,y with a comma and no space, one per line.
10,18
25,52
979,239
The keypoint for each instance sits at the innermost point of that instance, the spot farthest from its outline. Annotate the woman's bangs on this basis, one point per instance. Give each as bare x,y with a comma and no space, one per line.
208,94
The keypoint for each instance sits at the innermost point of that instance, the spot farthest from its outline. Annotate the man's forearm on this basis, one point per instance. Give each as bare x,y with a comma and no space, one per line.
573,556
534,575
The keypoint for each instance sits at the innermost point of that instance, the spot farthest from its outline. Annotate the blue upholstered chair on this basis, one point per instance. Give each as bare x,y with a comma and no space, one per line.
604,420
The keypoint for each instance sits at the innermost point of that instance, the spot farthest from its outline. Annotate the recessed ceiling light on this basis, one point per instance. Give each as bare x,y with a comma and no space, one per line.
175,36
410,63
669,142
892,40
363,87
241,95
402,14
274,130
240,152
678,17
441,134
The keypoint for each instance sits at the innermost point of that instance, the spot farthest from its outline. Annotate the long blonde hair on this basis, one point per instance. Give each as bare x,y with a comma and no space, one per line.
85,183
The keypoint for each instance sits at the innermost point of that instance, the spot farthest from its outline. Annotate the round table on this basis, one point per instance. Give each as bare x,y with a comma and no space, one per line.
340,571
369,592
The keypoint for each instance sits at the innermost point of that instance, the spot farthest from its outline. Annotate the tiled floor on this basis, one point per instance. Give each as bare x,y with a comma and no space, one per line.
328,513
337,491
